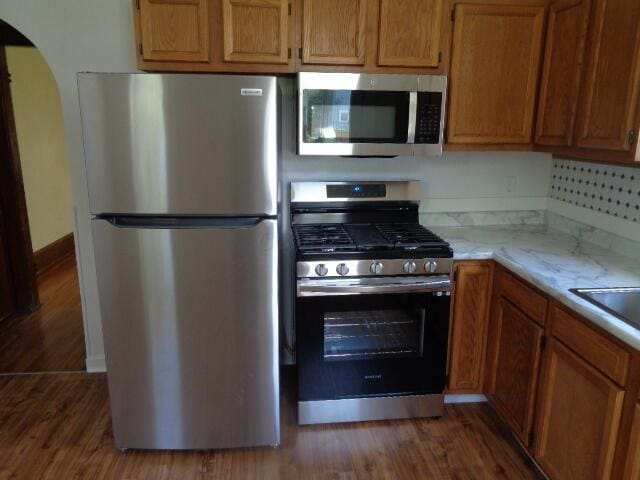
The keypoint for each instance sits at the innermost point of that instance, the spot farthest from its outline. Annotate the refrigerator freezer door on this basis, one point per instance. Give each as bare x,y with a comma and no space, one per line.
190,329
180,144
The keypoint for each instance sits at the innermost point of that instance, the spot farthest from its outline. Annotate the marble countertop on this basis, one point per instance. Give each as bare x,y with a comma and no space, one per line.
554,262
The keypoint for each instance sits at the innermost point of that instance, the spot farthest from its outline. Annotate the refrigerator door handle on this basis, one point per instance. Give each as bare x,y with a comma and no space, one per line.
162,222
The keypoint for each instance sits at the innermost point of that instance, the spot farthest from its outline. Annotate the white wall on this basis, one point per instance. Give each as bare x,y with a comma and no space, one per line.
42,146
74,36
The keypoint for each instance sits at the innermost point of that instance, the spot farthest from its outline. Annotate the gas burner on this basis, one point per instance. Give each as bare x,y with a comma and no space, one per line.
323,238
410,236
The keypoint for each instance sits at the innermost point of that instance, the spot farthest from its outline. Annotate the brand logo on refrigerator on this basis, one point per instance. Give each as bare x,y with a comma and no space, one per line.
377,376
251,92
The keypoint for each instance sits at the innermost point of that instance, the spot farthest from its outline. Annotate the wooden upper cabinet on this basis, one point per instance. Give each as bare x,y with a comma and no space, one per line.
579,414
256,31
469,329
608,106
174,30
494,72
333,31
515,366
409,33
562,72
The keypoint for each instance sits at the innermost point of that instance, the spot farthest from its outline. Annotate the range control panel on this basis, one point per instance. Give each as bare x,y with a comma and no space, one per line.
366,190
428,117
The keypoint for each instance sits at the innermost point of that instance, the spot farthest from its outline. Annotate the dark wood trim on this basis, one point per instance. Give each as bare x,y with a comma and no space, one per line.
54,253
13,203
11,36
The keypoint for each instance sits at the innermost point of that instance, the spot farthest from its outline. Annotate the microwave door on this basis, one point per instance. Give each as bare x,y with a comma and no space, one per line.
356,122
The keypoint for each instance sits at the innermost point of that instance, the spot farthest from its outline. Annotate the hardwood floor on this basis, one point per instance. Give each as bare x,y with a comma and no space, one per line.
52,338
58,426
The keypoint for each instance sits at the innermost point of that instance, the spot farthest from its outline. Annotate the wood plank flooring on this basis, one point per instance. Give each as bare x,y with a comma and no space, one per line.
58,427
52,338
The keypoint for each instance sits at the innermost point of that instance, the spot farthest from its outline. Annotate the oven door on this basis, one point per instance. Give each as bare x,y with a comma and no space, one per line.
354,114
360,340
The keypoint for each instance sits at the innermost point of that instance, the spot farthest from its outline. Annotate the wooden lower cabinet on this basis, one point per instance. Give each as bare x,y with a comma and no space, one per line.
515,362
579,412
632,466
472,298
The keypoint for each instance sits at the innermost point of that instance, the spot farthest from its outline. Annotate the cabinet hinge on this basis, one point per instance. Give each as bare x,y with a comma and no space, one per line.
140,48
453,15
439,57
455,275
300,53
289,53
137,4
289,8
633,136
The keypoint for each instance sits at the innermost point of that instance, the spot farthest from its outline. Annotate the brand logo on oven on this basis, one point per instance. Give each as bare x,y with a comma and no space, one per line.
377,376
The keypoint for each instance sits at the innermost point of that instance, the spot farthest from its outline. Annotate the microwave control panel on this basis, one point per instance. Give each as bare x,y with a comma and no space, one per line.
428,117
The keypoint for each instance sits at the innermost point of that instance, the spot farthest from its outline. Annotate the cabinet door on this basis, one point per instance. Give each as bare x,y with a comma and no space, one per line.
494,72
174,30
470,317
632,468
409,33
333,32
255,31
512,388
612,81
579,414
562,71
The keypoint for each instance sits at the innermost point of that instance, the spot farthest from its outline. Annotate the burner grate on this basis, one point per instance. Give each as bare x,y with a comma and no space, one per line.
410,235
322,237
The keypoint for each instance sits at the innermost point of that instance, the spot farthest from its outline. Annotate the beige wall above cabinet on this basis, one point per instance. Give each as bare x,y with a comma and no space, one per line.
256,31
333,31
562,71
494,72
409,33
174,30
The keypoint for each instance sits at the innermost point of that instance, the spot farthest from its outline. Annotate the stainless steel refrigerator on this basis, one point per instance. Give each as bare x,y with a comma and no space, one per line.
183,181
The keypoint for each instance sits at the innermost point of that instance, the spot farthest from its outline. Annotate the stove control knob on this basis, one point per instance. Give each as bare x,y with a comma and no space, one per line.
321,269
376,268
409,267
342,269
431,266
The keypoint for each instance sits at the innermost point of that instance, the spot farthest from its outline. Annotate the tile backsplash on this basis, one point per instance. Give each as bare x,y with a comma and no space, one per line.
612,190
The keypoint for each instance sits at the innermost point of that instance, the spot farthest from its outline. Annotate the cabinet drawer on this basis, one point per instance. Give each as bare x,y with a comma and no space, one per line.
524,297
601,352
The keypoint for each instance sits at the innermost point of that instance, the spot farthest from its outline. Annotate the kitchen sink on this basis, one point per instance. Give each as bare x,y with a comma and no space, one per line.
624,303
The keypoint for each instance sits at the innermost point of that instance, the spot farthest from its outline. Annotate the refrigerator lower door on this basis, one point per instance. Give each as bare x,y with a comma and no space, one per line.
190,325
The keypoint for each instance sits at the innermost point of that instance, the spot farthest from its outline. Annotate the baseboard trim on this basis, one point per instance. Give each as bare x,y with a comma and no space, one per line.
54,253
96,364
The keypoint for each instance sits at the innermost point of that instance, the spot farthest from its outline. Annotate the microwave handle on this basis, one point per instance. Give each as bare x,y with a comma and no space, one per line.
413,109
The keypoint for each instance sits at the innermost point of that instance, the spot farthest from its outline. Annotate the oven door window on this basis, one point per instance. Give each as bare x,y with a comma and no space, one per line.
373,334
355,116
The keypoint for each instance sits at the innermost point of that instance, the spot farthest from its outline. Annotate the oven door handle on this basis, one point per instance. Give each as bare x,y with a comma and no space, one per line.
319,288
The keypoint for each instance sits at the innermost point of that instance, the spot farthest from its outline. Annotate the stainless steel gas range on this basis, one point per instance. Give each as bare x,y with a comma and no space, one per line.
373,294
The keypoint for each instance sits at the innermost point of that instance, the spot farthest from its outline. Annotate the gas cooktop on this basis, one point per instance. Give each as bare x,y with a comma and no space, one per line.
366,237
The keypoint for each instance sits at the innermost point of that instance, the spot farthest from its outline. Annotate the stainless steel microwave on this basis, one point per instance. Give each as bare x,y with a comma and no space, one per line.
352,114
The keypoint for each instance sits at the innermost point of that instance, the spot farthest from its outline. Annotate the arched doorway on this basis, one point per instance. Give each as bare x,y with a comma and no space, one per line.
40,315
